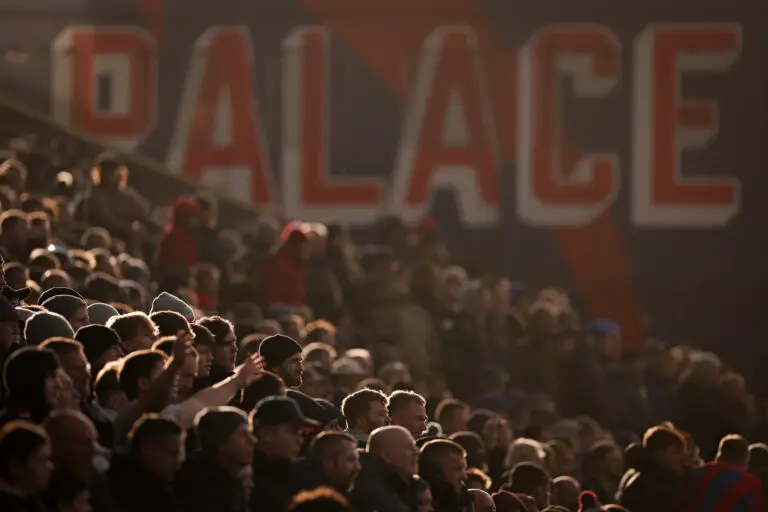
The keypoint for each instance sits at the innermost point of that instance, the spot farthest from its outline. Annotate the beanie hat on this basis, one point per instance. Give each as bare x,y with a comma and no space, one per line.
24,313
167,302
96,339
44,325
588,502
203,336
65,305
55,291
214,425
99,313
277,348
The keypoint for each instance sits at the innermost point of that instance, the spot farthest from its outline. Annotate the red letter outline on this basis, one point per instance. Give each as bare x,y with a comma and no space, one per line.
242,167
658,117
477,190
580,194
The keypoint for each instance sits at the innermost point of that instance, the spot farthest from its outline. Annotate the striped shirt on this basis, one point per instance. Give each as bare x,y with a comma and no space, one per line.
725,487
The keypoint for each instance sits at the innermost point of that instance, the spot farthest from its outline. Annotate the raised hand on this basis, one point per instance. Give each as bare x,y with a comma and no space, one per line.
250,371
182,347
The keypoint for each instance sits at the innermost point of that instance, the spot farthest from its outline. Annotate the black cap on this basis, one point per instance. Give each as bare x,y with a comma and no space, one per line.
96,339
8,311
277,348
15,296
277,410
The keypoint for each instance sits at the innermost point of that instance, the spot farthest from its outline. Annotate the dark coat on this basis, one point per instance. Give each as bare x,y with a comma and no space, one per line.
202,486
133,488
381,488
11,503
446,499
653,490
274,484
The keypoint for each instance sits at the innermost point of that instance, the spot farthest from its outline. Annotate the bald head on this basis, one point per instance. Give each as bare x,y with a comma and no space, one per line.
395,446
565,492
62,424
73,440
482,501
386,436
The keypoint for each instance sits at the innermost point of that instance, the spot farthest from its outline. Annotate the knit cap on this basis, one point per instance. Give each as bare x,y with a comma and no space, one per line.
99,313
24,313
65,305
168,302
44,325
277,348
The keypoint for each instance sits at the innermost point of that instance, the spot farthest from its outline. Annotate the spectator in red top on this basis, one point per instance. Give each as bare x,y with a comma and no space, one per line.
284,276
725,485
178,247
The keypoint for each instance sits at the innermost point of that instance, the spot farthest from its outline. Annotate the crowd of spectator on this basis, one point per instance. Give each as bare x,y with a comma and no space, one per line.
153,361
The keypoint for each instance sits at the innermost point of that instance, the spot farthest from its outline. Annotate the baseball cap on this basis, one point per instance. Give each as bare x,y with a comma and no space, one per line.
276,410
15,296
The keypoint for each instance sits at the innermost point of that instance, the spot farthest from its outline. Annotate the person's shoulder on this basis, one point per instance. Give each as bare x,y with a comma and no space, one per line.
753,481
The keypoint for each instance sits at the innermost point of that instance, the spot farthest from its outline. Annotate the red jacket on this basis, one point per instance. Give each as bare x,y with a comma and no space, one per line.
284,277
178,246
